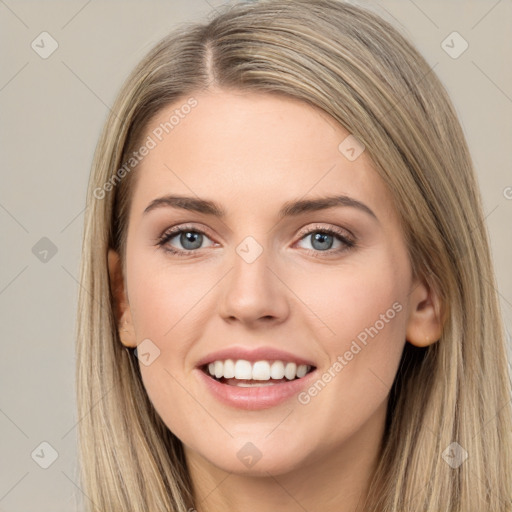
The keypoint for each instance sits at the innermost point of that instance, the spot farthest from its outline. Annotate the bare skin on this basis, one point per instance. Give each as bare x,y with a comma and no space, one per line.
252,153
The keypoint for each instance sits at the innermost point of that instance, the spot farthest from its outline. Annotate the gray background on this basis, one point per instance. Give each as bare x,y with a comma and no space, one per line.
51,113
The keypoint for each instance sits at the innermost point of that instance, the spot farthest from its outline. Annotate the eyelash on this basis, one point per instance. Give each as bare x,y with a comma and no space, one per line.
348,243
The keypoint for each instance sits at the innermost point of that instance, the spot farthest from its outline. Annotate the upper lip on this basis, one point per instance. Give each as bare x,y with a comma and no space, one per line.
253,355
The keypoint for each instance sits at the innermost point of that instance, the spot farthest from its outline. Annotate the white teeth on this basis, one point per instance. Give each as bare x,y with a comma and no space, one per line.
302,369
229,369
219,369
290,371
243,370
259,370
277,370
254,384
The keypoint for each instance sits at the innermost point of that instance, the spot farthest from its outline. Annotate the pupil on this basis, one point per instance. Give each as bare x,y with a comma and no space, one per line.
191,237
322,237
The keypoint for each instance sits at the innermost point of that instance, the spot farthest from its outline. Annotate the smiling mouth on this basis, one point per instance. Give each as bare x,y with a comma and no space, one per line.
243,373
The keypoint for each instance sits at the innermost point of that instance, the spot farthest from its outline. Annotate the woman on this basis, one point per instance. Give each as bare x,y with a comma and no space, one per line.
288,300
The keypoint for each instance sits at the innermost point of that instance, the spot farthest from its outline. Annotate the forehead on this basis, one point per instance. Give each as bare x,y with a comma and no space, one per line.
251,150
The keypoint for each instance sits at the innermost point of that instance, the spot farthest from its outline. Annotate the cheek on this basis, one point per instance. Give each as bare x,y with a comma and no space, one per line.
364,311
356,299
165,298
164,313
167,303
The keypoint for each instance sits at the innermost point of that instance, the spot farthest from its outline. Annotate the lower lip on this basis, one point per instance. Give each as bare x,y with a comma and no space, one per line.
257,397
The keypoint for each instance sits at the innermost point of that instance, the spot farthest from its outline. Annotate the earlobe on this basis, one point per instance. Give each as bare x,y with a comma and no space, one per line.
425,324
120,306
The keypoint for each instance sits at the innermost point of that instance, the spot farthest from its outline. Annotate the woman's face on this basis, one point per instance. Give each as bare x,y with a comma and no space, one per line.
279,282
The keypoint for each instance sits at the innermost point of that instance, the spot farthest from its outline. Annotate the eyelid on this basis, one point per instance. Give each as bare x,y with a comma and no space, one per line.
302,232
345,236
347,240
343,232
178,228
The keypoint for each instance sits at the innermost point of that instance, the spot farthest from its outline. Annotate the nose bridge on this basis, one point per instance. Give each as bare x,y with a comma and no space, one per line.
252,290
251,262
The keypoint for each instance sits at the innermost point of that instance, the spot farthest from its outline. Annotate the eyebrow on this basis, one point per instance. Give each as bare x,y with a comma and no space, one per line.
289,209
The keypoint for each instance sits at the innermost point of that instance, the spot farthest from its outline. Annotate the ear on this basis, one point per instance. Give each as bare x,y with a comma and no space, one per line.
425,324
121,307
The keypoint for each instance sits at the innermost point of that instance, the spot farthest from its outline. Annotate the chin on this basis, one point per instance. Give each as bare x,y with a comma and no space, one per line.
255,459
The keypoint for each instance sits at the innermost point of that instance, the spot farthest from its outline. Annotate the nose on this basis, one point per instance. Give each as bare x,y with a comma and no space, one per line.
253,293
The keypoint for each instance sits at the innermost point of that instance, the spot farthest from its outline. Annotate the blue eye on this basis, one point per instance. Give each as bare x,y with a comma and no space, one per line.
320,241
191,239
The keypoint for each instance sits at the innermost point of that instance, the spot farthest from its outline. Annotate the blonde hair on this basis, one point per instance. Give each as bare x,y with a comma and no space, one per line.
359,69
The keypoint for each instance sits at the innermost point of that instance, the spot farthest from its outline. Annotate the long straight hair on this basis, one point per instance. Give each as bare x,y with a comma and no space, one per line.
359,69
